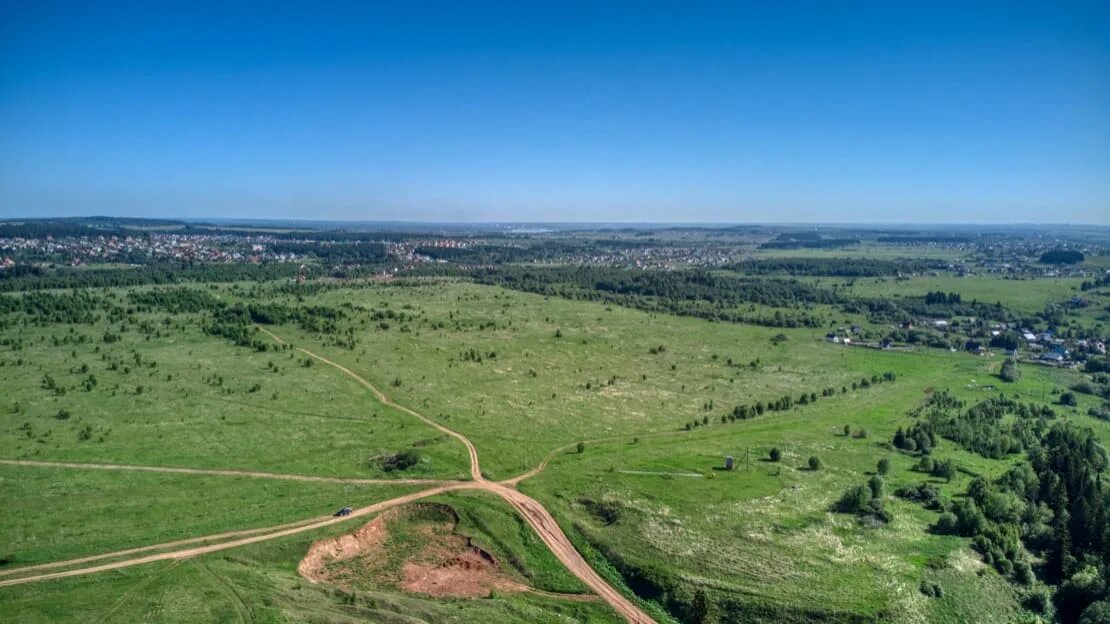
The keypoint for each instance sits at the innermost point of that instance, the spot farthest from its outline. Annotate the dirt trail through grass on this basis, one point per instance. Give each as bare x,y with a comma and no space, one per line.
475,468
534,513
294,529
223,473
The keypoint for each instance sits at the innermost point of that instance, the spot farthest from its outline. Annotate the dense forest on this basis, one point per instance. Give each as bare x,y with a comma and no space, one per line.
1061,256
689,293
836,267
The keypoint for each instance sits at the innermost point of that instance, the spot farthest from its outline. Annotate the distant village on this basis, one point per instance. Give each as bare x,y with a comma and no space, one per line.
141,248
1040,347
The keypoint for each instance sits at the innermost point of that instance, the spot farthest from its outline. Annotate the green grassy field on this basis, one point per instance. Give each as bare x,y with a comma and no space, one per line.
1025,295
598,379
187,399
259,583
521,375
55,513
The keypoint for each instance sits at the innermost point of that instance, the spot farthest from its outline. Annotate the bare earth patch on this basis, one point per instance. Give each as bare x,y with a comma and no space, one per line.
429,557
471,573
342,548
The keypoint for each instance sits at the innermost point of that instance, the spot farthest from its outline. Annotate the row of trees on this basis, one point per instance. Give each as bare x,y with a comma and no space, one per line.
786,402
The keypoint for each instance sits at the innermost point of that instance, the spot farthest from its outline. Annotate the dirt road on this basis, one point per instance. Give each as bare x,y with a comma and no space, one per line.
223,473
235,543
475,468
534,513
545,526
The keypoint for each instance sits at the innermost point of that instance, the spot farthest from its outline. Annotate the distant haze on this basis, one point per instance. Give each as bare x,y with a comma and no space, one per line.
562,112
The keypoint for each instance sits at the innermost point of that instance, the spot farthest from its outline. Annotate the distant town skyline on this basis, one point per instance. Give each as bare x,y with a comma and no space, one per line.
977,113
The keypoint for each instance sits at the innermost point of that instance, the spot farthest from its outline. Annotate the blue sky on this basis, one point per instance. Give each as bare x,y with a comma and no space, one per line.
561,111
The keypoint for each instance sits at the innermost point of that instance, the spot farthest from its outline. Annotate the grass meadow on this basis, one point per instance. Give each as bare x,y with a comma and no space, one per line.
521,375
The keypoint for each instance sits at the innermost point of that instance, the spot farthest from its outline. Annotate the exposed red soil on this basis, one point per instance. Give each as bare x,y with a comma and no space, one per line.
470,573
364,539
447,564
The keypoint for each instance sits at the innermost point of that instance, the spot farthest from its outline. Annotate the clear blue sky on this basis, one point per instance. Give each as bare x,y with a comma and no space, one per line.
563,111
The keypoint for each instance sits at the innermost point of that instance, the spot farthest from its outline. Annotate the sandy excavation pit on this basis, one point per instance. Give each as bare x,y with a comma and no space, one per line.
414,548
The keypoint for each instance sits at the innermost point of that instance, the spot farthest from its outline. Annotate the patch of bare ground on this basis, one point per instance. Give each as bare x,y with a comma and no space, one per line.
415,548
344,547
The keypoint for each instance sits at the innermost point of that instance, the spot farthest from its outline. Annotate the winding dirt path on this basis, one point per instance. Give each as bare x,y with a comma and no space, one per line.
223,473
533,512
475,468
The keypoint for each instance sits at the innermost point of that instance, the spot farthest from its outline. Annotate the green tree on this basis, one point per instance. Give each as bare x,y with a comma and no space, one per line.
776,454
699,607
876,484
946,523
883,466
853,500
814,463
1096,613
945,469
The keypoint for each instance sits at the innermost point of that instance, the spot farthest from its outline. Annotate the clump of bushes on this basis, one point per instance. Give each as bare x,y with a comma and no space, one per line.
932,590
865,501
605,511
397,462
925,493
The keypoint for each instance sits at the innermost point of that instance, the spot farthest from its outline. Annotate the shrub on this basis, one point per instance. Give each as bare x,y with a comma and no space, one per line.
926,464
1023,573
853,500
946,523
1037,599
925,494
581,447
876,484
883,466
814,463
400,461
776,454
932,590
607,512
